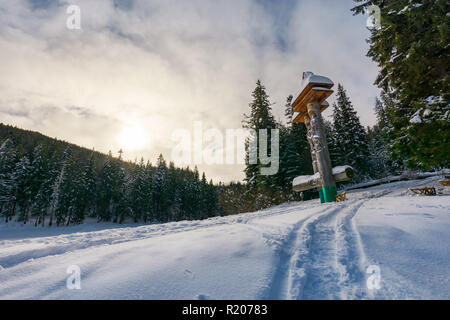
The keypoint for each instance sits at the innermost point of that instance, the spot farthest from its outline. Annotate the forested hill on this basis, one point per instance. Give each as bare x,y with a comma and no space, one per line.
47,181
25,141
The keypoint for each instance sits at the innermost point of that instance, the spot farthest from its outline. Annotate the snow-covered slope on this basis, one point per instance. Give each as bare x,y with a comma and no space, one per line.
294,251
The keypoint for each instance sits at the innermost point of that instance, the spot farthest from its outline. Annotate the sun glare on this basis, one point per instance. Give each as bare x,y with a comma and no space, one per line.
133,138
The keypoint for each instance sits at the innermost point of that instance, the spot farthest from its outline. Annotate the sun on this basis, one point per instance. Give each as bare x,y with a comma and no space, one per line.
133,138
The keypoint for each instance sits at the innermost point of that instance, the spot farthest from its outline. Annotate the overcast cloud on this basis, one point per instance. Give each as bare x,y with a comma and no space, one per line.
161,65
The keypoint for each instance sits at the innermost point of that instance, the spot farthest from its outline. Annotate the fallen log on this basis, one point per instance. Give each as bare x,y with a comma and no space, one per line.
340,174
404,177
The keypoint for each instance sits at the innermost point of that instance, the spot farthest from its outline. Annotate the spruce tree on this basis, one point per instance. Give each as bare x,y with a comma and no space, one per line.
89,185
411,49
260,118
56,187
107,189
212,200
349,136
8,158
173,192
39,172
68,192
148,192
160,199
295,158
331,141
22,193
42,201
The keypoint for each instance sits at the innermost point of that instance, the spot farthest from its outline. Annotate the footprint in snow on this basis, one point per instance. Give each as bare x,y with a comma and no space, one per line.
188,274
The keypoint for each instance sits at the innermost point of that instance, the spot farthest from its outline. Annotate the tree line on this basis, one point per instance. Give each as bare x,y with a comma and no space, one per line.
348,141
47,187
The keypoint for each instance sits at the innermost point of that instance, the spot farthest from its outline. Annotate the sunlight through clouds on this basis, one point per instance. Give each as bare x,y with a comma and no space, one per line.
169,64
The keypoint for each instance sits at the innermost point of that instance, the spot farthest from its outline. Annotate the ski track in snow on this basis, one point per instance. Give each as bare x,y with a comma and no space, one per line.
15,252
322,259
317,250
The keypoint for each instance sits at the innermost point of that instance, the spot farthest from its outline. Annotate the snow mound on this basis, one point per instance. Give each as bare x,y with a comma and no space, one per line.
310,77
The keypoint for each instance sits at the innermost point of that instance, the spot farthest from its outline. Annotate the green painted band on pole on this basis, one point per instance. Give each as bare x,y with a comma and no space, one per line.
322,199
329,193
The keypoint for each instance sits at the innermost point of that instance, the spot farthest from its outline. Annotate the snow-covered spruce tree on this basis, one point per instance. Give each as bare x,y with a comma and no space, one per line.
295,158
185,193
68,192
203,197
138,193
378,155
89,186
8,158
22,190
56,188
160,199
148,192
332,145
110,189
212,200
381,159
289,111
195,187
42,201
411,49
39,176
56,168
33,174
385,109
260,117
188,203
83,192
173,191
349,136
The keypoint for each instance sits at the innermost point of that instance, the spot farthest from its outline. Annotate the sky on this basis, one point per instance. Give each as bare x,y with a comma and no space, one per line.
139,70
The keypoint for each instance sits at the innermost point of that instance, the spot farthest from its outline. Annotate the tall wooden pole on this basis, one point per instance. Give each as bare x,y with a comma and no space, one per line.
321,152
309,136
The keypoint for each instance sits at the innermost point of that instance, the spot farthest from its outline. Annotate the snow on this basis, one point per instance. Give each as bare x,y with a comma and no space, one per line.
434,99
404,9
300,180
306,179
301,250
310,77
408,7
416,117
340,169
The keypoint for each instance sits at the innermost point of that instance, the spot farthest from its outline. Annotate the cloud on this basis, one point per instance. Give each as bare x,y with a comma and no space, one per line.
162,65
